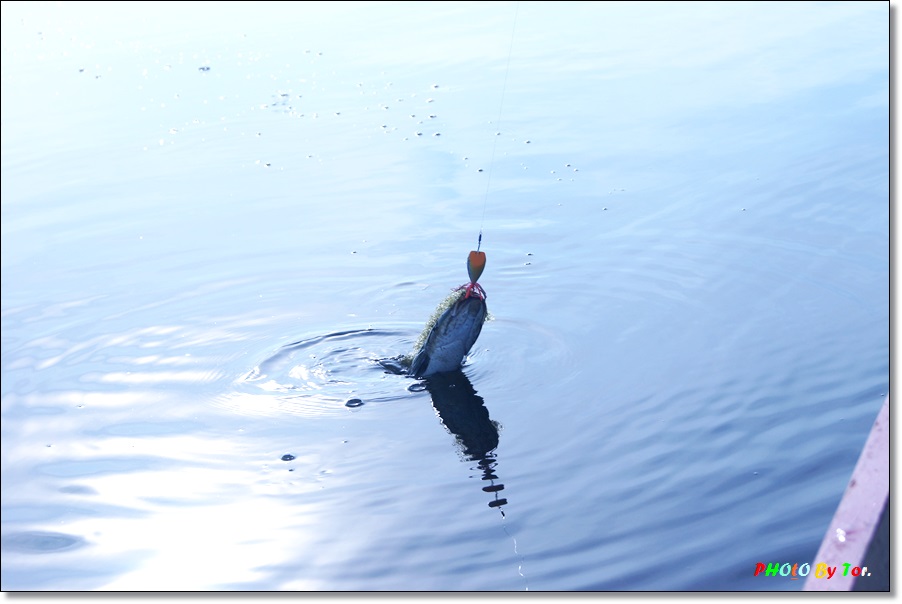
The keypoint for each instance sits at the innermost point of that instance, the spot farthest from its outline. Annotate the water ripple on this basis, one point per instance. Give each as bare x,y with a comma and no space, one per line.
319,375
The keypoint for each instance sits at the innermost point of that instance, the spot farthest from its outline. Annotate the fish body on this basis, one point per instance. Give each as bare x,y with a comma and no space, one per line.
451,337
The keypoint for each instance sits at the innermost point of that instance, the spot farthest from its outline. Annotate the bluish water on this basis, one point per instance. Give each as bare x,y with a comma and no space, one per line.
216,219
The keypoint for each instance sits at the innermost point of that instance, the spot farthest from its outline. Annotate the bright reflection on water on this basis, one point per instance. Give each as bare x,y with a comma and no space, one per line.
216,220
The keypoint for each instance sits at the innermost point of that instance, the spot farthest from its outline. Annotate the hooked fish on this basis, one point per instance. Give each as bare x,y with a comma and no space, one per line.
446,342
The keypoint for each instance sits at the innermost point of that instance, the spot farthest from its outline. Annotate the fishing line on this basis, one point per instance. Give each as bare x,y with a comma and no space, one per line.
488,184
488,464
520,558
510,52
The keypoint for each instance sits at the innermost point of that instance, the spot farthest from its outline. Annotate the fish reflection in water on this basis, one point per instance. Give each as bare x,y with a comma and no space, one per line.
464,414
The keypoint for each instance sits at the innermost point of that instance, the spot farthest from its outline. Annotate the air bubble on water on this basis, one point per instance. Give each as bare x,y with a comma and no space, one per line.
287,457
354,402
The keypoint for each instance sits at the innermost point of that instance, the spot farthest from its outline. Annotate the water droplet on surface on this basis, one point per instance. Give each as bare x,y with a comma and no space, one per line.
354,402
287,457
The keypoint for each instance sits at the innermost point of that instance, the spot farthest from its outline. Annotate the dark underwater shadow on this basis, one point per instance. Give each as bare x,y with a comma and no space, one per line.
464,414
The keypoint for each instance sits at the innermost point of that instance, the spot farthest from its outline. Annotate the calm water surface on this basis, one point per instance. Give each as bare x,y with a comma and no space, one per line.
216,219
